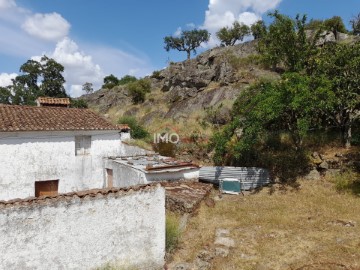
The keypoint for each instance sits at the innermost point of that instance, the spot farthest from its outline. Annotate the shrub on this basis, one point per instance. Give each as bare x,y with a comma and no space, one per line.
348,181
78,103
172,233
138,90
127,79
137,131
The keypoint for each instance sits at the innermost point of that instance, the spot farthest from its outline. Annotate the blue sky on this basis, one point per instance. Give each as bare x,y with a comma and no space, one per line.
93,38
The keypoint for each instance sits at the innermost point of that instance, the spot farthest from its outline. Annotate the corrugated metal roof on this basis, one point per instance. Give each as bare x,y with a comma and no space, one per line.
250,177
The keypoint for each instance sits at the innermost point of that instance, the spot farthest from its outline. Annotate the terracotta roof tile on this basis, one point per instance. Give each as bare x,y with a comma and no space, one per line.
29,118
53,101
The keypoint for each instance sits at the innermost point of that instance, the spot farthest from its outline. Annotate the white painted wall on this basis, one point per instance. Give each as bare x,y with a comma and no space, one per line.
125,229
26,157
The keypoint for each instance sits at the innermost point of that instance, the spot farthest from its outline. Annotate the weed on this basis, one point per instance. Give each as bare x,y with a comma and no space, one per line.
172,232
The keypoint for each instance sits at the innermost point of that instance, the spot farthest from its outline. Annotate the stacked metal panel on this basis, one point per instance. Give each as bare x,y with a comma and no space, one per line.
250,177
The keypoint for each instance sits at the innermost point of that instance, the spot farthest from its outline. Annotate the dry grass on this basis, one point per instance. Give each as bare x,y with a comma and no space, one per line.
285,230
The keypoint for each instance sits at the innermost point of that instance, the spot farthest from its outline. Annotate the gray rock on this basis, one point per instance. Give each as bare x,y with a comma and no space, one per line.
324,165
221,252
225,241
222,232
313,175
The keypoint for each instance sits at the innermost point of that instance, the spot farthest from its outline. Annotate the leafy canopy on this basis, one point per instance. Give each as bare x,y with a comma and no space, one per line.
286,43
188,41
229,36
43,78
258,29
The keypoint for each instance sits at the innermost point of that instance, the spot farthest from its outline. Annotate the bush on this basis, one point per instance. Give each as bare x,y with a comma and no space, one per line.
348,181
172,233
78,103
137,131
138,90
127,79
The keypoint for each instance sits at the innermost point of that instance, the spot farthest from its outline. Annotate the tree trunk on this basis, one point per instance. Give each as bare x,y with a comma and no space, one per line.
188,55
346,136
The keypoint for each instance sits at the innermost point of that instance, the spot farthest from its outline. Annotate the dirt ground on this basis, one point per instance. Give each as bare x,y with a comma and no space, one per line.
313,227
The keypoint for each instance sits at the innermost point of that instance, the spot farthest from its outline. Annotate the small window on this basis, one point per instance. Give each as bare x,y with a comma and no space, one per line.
46,188
82,145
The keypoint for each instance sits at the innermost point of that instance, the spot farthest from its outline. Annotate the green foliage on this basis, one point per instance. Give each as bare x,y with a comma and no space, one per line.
229,36
110,81
347,181
78,103
315,25
156,74
42,78
172,234
127,79
341,64
88,88
187,42
53,81
286,43
137,131
258,29
355,24
139,89
5,95
335,25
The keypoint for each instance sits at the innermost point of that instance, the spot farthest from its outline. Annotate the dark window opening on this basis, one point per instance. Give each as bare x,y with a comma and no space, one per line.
46,188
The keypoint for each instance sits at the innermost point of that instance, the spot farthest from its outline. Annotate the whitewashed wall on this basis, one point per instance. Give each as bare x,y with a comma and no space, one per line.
123,228
26,157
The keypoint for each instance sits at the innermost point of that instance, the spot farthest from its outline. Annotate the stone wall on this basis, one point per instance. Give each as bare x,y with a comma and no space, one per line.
85,230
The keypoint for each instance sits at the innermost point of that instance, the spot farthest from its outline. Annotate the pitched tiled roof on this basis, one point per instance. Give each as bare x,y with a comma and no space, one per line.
53,101
29,118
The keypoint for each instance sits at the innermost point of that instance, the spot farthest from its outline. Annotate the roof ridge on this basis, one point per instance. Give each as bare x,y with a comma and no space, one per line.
47,200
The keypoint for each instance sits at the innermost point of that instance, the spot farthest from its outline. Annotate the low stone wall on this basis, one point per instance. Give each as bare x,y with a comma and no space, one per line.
85,230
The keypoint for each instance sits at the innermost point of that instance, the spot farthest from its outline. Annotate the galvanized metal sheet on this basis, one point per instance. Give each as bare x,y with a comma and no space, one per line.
250,177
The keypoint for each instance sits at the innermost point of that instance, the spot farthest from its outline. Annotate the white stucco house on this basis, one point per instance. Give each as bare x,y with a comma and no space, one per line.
50,150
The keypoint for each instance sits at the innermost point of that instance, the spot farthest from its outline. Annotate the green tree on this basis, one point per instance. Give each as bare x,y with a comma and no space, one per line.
294,104
139,89
258,29
335,25
341,64
5,95
110,81
187,42
88,88
53,81
355,24
127,79
315,25
286,43
137,131
229,36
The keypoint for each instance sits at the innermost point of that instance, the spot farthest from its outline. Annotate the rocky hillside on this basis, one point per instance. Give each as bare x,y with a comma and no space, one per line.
192,94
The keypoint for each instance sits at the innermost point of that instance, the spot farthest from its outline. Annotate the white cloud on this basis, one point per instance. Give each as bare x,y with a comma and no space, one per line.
223,13
79,67
5,4
178,32
5,78
50,26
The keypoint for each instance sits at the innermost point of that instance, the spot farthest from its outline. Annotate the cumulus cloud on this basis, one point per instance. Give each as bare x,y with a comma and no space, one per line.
5,78
222,13
50,26
79,66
